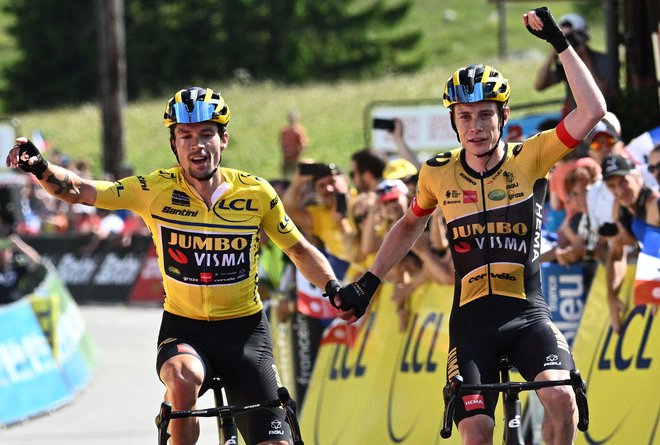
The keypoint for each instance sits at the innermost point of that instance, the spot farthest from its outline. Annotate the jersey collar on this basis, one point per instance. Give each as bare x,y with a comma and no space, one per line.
487,173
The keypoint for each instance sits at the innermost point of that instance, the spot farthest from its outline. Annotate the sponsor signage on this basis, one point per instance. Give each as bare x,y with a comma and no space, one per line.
107,275
206,258
564,291
30,381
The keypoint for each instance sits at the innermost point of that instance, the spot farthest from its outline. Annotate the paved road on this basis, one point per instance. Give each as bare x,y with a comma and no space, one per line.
122,399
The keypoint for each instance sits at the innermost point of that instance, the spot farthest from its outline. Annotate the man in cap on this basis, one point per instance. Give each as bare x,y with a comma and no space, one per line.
602,142
638,216
599,64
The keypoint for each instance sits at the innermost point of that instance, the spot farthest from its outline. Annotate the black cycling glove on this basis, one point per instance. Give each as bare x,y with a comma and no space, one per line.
551,32
27,151
332,288
358,295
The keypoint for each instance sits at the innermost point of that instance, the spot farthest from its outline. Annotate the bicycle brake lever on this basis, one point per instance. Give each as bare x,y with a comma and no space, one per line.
451,390
291,407
162,422
580,389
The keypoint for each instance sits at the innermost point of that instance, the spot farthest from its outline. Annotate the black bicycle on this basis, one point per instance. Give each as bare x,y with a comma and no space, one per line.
513,434
227,430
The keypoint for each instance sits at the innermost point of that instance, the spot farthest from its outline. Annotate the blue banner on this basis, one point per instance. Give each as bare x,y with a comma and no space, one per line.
565,292
30,380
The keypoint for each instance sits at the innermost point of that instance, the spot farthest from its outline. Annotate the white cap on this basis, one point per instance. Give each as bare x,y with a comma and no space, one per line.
608,124
575,21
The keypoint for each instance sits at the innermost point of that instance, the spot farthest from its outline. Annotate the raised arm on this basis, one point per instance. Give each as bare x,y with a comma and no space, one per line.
588,97
61,183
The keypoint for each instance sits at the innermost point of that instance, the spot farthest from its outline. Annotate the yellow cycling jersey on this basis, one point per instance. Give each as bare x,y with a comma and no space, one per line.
207,256
494,218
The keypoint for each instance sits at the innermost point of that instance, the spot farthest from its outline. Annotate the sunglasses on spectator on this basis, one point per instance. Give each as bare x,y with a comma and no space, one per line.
654,168
597,145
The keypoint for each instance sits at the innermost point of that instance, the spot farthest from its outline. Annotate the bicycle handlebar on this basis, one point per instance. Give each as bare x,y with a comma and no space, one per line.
455,386
284,400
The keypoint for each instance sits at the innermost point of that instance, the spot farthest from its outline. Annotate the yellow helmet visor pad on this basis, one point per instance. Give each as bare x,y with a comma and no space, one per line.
203,111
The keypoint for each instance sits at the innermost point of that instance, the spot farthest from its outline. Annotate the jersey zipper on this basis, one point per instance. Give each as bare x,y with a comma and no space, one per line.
487,239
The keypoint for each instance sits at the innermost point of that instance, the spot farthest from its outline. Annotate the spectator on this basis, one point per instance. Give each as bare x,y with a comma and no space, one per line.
599,64
603,141
367,166
404,170
654,163
293,141
325,217
17,259
556,180
638,218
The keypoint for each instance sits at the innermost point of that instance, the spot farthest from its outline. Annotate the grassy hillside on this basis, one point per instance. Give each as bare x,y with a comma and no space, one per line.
456,32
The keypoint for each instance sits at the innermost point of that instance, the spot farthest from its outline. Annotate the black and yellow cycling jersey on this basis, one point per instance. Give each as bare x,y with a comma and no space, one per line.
494,218
207,256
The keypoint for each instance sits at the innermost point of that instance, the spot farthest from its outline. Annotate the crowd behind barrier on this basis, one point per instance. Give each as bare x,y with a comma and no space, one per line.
107,256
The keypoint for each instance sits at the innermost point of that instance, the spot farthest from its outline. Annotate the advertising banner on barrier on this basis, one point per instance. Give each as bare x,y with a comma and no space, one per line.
105,276
374,384
564,291
64,327
379,385
46,354
622,370
30,381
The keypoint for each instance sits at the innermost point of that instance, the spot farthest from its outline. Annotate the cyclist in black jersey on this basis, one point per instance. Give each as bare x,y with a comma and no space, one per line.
205,221
491,195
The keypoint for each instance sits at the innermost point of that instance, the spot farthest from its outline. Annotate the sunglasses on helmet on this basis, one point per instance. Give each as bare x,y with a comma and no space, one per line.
202,111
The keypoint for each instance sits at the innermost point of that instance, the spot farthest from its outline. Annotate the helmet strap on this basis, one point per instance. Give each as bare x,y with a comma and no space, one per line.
212,174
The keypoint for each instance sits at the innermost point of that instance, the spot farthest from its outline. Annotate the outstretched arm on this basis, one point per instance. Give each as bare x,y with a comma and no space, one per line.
61,183
588,97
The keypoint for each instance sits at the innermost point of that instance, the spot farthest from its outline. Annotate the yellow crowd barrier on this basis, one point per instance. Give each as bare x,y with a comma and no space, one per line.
374,384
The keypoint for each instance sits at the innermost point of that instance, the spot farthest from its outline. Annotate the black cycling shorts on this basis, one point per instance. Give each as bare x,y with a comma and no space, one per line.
531,347
239,351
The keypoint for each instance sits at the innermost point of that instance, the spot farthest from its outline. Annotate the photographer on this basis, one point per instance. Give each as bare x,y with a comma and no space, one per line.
599,64
316,201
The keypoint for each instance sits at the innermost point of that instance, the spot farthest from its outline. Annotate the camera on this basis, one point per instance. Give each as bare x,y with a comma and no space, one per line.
341,204
383,124
317,170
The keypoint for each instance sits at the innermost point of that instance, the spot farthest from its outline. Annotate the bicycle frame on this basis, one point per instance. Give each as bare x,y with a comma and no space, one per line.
512,434
227,430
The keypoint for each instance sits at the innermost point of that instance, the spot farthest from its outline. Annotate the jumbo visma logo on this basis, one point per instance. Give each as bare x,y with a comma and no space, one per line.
206,258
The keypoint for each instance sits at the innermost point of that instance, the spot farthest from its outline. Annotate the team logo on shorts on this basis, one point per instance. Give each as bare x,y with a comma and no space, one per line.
474,401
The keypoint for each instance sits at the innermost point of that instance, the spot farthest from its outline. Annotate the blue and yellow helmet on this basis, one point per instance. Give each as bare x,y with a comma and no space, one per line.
195,104
475,83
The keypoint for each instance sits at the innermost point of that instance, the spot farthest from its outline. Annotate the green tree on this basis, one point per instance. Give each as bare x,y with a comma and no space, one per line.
182,42
296,40
57,61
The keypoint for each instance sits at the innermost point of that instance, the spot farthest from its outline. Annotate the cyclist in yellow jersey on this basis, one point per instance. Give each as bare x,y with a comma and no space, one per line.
491,194
205,222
